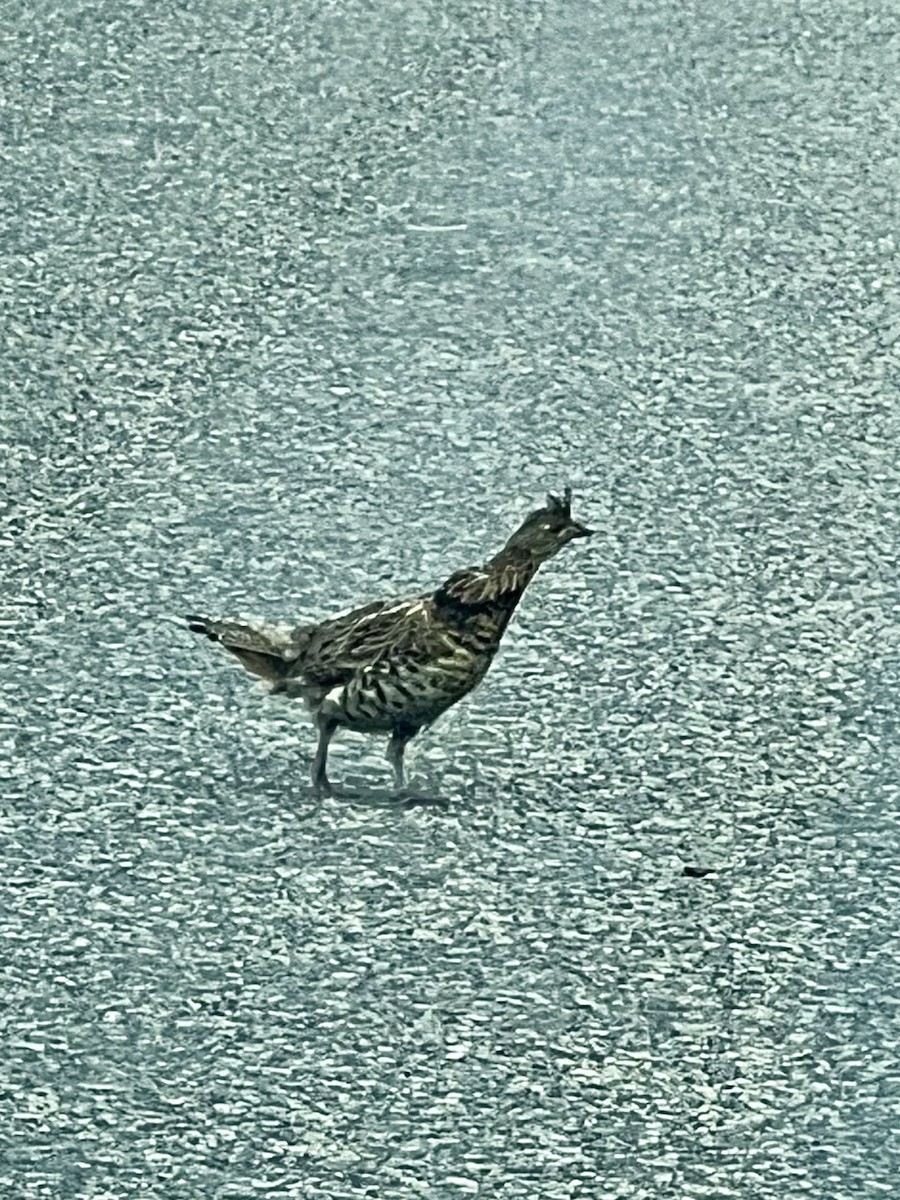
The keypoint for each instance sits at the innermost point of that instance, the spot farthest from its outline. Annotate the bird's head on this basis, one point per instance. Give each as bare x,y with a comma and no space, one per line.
544,532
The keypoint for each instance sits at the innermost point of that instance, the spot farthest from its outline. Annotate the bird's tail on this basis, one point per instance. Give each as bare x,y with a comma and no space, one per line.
269,651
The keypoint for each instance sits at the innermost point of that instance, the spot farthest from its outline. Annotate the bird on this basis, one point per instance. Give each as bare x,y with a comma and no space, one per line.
395,665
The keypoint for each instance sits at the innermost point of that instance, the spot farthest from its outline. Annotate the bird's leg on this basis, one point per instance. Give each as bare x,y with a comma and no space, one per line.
402,735
320,762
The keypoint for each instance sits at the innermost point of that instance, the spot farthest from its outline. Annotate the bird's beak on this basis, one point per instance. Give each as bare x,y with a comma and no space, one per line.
578,530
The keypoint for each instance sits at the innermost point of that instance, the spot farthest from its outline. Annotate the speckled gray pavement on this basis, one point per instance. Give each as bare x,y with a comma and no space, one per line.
307,304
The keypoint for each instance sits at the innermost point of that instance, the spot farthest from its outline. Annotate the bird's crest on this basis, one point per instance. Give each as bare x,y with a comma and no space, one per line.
564,506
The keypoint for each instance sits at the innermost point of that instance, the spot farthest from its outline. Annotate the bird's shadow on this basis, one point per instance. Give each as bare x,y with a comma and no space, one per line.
359,794
353,791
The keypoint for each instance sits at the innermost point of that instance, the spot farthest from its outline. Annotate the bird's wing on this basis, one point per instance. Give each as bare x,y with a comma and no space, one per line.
380,633
417,629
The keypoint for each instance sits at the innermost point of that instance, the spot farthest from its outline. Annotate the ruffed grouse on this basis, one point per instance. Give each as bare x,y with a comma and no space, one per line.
395,665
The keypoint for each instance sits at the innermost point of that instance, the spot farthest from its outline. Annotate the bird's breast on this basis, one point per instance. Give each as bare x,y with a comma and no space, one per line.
411,693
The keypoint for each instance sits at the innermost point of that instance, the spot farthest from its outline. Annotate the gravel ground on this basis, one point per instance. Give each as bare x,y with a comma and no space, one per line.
305,305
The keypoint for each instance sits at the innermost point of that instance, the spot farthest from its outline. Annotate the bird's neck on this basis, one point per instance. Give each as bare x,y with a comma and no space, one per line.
513,569
509,572
485,597
516,571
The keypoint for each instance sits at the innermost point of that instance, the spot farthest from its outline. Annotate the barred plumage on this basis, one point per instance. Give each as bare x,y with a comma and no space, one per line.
395,665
